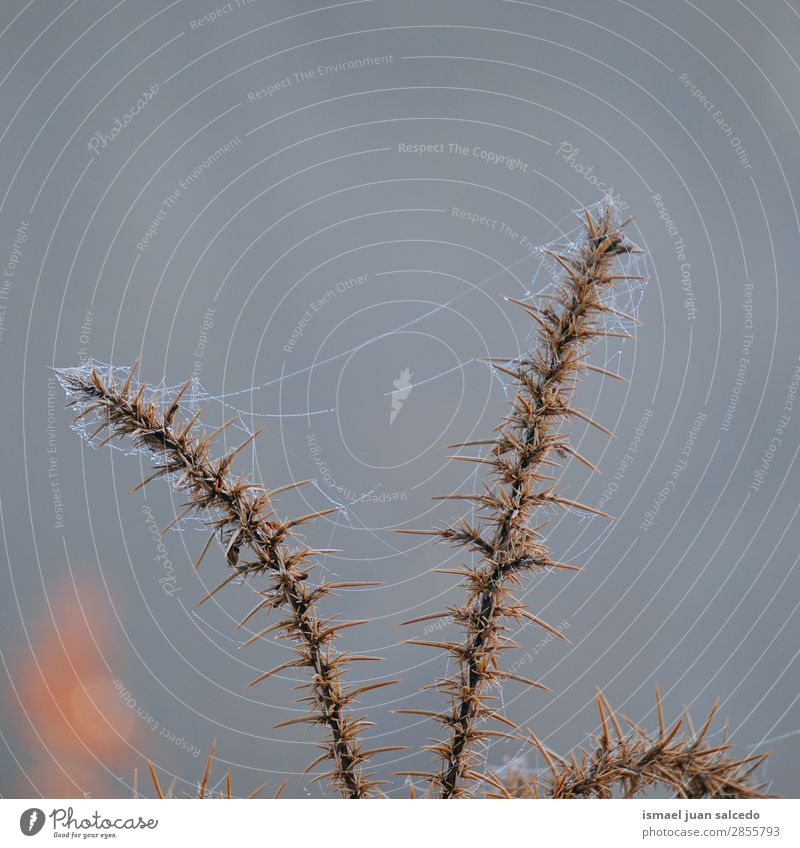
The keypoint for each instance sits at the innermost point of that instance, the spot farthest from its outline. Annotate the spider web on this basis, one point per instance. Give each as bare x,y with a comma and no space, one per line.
624,297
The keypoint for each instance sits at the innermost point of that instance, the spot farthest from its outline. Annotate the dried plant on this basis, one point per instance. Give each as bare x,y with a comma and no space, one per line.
506,550
633,762
688,767
241,515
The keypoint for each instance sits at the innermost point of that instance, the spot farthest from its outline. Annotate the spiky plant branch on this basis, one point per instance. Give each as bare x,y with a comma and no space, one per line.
507,547
626,766
256,543
687,766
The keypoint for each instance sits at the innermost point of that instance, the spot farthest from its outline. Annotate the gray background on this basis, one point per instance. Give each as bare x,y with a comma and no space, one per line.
702,602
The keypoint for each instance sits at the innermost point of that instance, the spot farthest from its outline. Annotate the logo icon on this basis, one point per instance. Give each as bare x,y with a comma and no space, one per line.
31,821
402,386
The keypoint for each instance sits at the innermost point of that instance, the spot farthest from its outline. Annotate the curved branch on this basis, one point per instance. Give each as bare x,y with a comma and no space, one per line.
255,544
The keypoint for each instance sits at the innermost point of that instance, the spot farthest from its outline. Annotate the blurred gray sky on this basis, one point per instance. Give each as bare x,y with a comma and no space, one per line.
237,196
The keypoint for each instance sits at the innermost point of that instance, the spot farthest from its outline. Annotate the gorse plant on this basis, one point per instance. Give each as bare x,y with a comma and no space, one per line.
241,516
632,762
508,548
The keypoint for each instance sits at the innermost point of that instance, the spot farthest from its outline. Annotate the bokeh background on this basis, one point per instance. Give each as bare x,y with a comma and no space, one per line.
227,192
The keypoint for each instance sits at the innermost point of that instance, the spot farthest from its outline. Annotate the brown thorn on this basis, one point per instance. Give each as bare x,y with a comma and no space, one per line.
471,443
507,675
704,729
230,456
582,459
325,755
445,646
144,482
606,739
631,318
256,636
272,492
584,417
415,532
578,505
363,689
214,433
311,516
155,780
503,720
442,614
258,790
603,371
545,753
266,674
480,459
565,565
224,583
660,710
170,414
611,716
256,608
204,551
178,517
426,713
531,617
207,773
352,584
300,720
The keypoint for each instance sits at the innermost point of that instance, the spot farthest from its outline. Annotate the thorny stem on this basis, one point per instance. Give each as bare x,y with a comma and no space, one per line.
689,767
245,522
544,386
